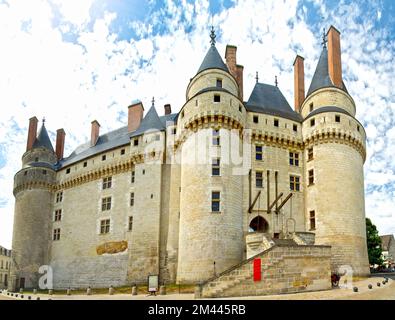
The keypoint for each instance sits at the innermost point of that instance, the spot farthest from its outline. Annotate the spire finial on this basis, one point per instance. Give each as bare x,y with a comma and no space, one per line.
276,81
324,40
153,101
43,120
212,36
256,77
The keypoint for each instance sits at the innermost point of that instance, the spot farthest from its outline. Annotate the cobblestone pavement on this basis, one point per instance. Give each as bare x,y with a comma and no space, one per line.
384,292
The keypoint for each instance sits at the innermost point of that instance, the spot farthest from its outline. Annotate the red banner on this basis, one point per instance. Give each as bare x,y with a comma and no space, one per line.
257,269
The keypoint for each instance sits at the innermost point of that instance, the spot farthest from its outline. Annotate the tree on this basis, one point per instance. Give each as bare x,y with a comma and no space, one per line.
374,243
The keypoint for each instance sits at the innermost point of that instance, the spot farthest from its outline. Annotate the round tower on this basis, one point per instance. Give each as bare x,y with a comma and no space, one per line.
33,202
335,152
209,124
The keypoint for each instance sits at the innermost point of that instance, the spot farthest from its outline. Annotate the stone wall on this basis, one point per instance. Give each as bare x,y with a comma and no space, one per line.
284,269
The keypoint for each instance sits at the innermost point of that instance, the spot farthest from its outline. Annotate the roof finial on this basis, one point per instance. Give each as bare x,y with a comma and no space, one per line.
212,36
256,77
324,40
153,101
275,81
43,120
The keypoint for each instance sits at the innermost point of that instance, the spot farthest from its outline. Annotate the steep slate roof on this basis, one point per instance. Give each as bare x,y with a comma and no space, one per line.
212,60
118,138
321,78
151,122
42,140
268,99
386,241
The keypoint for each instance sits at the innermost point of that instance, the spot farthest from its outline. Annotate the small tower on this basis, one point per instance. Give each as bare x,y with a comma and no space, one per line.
211,234
33,202
335,152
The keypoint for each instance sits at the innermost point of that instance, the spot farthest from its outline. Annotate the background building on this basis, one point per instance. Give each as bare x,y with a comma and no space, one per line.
5,267
388,250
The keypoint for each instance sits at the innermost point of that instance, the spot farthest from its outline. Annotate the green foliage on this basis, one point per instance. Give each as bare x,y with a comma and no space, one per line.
374,243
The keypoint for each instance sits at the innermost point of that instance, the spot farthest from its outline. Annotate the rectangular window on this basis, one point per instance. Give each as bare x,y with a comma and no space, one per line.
215,167
122,152
337,118
216,138
130,224
255,119
67,170
157,137
312,122
103,157
58,215
217,98
295,127
56,234
239,108
258,153
132,199
215,201
311,107
174,131
311,177
259,179
312,220
106,204
85,164
310,154
294,183
105,226
294,159
219,83
107,182
276,123
136,142
133,177
59,197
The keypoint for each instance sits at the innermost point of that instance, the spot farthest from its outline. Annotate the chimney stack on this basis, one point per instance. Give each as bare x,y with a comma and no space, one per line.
334,57
135,115
299,82
95,129
32,134
234,69
167,109
60,136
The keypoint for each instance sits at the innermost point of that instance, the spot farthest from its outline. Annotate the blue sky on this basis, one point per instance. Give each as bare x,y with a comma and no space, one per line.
75,61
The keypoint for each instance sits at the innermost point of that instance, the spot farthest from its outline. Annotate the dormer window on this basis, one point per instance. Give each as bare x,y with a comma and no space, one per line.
217,98
219,83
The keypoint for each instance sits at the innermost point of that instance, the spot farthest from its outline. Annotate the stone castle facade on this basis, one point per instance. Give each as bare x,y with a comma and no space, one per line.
186,195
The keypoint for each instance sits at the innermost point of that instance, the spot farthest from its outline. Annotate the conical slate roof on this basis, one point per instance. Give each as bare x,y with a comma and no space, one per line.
43,140
268,99
321,78
151,122
212,60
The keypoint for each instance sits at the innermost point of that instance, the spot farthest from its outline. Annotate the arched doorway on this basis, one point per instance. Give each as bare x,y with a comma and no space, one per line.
258,224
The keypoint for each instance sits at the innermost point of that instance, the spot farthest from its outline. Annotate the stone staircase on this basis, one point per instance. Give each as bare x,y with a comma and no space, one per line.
285,267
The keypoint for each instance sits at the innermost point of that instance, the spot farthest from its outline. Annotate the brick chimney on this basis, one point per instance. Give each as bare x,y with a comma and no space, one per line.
167,109
32,134
299,82
234,69
135,115
95,130
60,136
334,57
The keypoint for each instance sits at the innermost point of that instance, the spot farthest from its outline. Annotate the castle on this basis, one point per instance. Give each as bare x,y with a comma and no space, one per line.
186,195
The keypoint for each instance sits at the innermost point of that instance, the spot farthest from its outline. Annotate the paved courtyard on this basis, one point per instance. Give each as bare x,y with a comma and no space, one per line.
384,292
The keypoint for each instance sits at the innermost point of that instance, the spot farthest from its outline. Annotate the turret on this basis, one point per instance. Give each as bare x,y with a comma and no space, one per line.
33,201
334,142
209,126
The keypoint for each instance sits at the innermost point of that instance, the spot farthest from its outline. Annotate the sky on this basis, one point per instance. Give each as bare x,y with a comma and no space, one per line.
75,61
